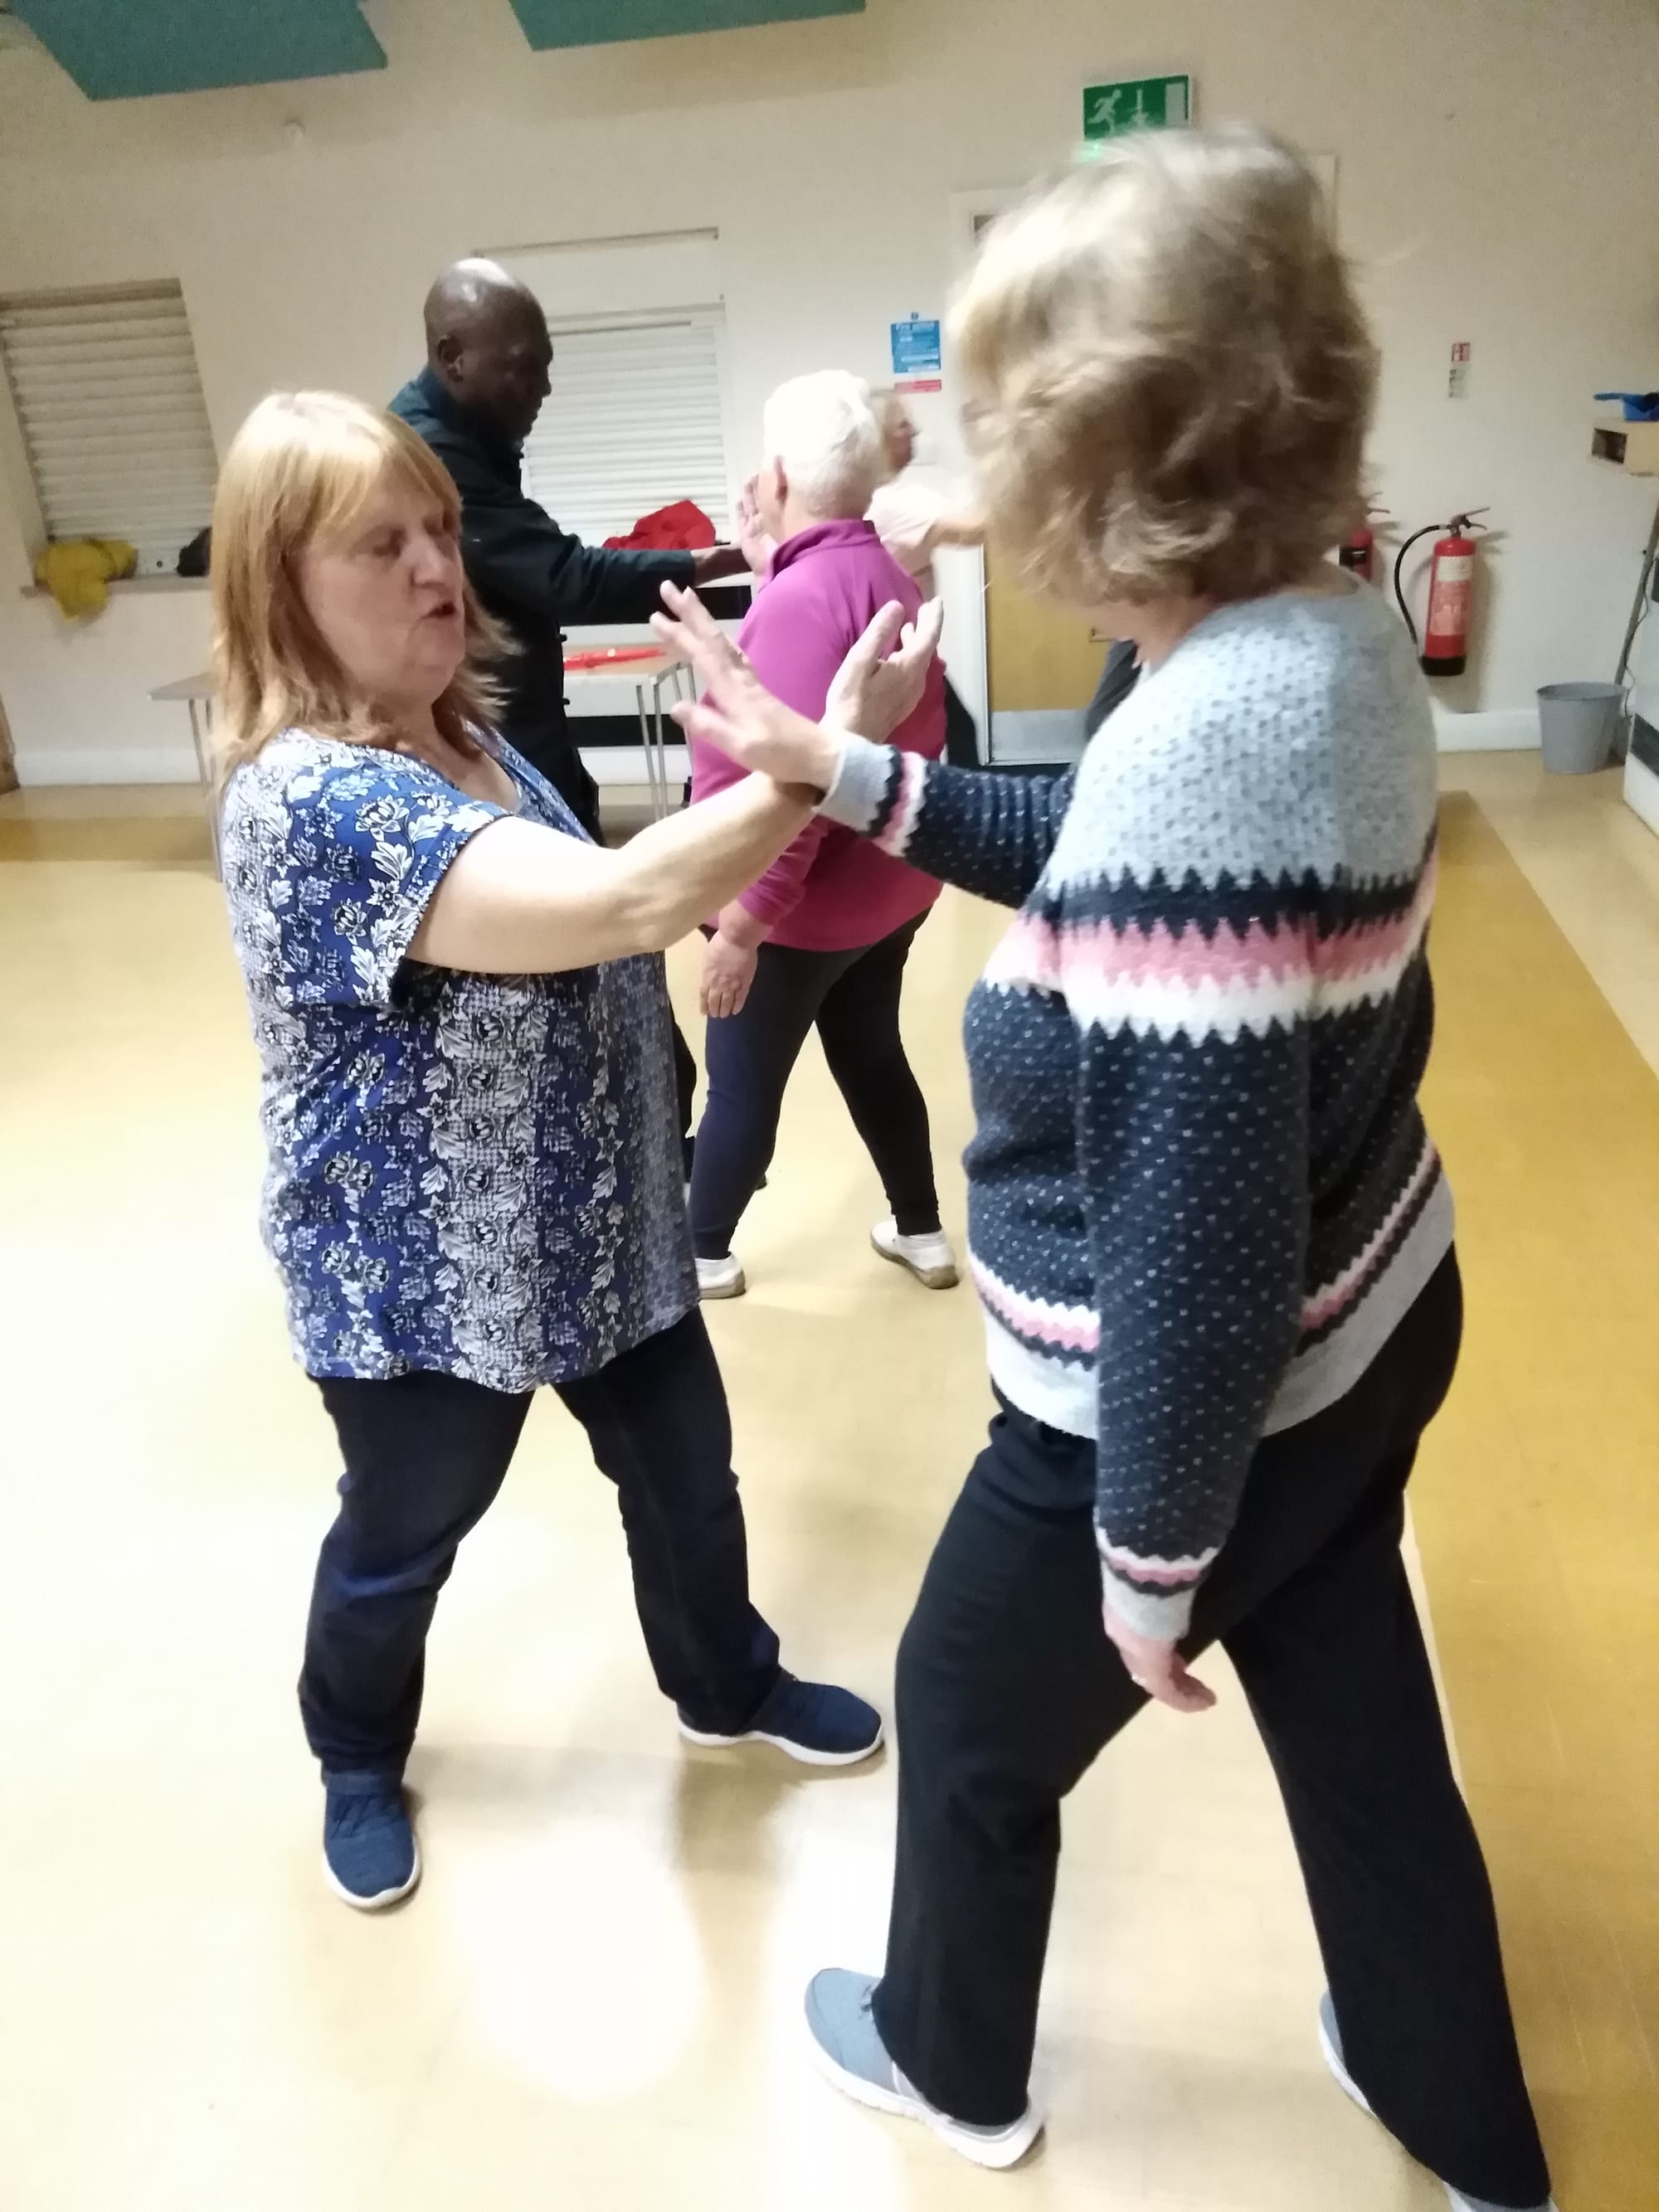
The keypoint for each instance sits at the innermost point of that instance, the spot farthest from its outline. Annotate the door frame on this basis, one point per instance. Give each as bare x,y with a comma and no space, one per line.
966,645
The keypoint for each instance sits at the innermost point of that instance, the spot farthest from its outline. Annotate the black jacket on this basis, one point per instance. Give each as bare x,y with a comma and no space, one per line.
533,577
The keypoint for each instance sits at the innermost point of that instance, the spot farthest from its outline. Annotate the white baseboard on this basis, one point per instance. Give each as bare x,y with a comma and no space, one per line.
106,764
117,764
1504,729
1641,792
615,765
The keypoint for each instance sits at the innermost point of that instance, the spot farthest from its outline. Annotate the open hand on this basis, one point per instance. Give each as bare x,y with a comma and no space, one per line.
1156,1666
738,715
728,970
758,545
874,690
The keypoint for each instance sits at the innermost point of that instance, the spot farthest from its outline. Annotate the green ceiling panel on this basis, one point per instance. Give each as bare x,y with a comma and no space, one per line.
119,49
601,22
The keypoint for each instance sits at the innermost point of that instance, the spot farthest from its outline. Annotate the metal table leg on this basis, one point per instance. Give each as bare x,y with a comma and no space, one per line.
201,738
651,741
684,686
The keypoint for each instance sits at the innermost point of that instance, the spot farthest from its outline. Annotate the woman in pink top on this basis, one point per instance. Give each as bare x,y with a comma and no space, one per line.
823,935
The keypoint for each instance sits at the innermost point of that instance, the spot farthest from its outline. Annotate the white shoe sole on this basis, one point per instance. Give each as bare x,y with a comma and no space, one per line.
735,1288
932,1278
996,2151
1340,2074
1350,2089
377,1903
799,1751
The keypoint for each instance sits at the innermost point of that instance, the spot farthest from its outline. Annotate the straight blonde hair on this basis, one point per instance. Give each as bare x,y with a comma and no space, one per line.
306,466
1167,377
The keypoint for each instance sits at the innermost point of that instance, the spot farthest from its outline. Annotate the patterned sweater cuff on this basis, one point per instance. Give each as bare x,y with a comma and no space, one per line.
856,798
1165,1615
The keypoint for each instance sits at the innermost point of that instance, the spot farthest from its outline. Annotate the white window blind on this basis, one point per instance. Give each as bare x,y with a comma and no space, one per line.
110,405
634,421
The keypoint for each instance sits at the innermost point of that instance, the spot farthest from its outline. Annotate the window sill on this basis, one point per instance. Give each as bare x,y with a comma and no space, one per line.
136,586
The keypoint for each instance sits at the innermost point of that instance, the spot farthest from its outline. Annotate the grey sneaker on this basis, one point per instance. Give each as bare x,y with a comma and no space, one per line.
848,2049
1330,2043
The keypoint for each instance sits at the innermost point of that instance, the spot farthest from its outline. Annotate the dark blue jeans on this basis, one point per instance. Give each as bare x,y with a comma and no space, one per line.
425,1457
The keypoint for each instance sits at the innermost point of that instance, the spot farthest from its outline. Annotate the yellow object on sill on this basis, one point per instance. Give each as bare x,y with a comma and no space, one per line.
78,571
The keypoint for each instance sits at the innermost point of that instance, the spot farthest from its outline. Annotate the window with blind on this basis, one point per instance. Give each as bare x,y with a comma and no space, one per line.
634,421
113,424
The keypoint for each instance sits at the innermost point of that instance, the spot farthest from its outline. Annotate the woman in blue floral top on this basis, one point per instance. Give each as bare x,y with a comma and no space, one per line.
474,1183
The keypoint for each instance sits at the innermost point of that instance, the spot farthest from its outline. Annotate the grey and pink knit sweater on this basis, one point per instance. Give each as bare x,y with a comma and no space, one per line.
1201,1194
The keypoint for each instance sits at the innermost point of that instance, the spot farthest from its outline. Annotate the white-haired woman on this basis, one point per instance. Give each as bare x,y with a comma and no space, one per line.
474,1183
1210,1231
915,521
821,937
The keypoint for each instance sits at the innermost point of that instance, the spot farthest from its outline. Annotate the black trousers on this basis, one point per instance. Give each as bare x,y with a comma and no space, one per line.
1008,1690
854,999
425,1455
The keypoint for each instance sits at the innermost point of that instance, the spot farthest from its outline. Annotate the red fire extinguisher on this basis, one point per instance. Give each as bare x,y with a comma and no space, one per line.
1444,647
1358,551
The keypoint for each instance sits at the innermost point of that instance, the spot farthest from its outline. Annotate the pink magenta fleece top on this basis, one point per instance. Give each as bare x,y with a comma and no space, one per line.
831,890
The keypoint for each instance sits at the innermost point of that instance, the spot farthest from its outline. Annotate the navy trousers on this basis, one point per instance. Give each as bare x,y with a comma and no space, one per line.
425,1455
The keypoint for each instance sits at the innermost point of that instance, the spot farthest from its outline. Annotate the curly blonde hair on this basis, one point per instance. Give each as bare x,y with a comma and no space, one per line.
306,464
1168,377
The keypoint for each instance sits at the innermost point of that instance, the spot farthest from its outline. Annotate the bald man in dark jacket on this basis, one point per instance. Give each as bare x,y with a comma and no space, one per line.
488,358
488,362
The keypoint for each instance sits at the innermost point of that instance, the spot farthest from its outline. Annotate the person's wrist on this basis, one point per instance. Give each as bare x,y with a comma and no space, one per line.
802,798
822,763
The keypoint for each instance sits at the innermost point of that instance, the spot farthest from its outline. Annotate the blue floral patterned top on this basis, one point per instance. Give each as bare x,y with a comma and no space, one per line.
479,1175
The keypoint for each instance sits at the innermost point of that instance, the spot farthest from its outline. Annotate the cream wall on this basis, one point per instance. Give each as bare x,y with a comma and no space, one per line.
1499,179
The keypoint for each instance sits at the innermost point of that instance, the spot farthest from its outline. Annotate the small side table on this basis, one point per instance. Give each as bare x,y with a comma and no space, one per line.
644,669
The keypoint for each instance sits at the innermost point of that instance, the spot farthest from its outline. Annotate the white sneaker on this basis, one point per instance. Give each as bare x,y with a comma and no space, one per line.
720,1278
929,1258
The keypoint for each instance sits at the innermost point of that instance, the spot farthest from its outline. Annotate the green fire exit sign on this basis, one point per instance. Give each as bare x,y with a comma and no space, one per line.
1140,103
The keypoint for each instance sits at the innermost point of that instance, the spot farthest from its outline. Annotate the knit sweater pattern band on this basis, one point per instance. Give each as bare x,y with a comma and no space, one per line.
1201,1195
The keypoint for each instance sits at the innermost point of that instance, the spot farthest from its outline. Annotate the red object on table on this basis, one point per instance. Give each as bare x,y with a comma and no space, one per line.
682,528
610,656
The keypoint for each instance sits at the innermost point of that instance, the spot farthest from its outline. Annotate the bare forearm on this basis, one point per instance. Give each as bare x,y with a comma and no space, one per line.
520,900
743,927
966,527
689,868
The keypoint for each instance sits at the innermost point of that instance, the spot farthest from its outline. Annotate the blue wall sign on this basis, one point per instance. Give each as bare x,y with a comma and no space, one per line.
916,349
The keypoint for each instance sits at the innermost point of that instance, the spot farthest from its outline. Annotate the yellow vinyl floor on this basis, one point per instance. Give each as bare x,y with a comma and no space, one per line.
594,2000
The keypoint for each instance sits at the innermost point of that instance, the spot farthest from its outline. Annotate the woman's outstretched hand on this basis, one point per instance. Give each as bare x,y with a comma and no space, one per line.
874,690
872,694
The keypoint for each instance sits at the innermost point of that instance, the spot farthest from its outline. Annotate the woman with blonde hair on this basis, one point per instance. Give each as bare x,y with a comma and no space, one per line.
474,1181
1210,1232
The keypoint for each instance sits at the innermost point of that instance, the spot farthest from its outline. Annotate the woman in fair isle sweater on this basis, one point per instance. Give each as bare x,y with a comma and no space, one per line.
1210,1232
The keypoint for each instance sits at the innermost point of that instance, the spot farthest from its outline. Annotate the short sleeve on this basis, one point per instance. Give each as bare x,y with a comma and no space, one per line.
359,850
903,515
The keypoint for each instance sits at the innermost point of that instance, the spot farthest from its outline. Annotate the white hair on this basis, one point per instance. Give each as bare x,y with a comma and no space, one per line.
824,430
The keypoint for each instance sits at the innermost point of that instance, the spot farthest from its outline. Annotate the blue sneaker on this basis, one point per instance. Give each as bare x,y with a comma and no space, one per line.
1330,2043
847,2046
370,1856
813,1721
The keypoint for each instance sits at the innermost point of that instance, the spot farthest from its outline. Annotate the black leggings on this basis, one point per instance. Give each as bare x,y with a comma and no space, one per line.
853,998
1008,1690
